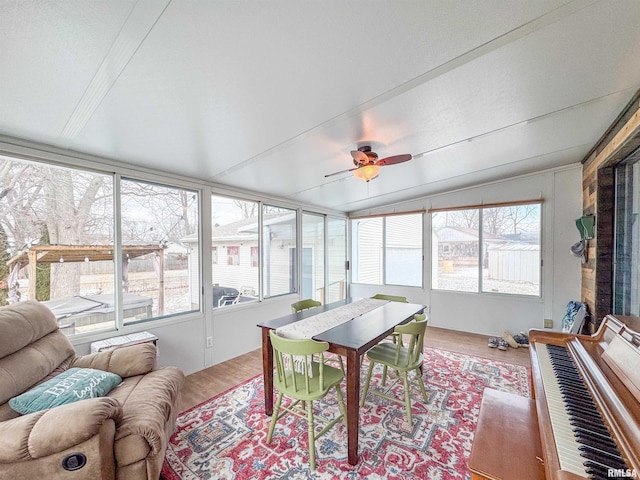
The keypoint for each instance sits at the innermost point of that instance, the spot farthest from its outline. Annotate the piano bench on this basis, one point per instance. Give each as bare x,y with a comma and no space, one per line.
506,444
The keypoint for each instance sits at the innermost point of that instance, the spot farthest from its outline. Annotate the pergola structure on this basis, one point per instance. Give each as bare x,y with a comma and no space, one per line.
84,253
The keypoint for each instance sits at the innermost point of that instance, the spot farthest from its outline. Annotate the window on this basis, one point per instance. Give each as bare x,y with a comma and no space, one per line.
159,227
233,255
280,252
489,250
312,282
388,250
626,290
255,259
58,223
336,259
214,255
236,279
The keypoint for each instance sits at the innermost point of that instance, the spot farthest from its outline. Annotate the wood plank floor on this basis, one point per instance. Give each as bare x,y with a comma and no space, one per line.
202,385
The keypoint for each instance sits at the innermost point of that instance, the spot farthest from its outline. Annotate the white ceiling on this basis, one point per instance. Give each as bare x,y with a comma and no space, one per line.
272,95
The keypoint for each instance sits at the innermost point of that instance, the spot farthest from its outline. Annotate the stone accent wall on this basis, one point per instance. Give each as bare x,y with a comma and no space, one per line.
598,198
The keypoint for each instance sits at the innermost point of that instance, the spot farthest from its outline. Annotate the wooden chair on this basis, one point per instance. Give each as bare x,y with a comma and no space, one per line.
402,359
391,298
305,304
293,360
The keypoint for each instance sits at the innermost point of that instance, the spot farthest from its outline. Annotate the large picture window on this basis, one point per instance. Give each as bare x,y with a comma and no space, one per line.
388,250
490,250
57,223
159,226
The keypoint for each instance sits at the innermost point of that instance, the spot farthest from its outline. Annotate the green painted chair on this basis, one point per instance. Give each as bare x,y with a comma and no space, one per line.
403,359
302,387
391,298
304,305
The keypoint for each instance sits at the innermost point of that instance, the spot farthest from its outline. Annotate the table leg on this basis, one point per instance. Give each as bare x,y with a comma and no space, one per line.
353,405
267,371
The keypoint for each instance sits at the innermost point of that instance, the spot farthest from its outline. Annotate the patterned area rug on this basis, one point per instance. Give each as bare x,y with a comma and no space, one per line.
224,437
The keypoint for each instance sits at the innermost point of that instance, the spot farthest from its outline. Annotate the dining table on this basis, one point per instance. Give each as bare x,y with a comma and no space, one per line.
351,339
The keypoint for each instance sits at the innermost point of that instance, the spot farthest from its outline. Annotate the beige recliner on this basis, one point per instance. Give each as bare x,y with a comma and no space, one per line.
123,435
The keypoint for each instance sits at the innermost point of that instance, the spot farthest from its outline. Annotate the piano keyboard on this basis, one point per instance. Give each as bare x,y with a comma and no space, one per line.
584,444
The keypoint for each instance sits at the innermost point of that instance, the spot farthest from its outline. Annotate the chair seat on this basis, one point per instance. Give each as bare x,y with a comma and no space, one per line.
332,377
385,353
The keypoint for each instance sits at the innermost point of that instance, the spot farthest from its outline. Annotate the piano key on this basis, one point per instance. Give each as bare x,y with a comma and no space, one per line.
591,426
597,443
599,456
602,438
596,471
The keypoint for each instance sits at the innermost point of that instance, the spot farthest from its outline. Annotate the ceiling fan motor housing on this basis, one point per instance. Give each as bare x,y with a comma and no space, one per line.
371,156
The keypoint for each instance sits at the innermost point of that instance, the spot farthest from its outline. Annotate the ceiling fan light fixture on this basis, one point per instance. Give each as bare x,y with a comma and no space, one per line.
367,172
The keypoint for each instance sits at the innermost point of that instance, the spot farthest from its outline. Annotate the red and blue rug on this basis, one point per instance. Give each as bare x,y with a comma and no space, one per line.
224,437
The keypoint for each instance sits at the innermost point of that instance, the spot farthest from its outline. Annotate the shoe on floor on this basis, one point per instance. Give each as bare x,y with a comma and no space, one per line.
507,337
522,339
493,342
502,344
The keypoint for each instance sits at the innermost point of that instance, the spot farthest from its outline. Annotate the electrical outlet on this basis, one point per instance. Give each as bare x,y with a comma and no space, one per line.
209,342
548,323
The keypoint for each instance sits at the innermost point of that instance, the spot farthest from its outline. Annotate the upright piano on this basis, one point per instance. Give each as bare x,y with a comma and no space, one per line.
587,399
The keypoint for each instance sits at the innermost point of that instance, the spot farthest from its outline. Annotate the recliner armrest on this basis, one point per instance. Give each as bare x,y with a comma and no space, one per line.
126,361
50,431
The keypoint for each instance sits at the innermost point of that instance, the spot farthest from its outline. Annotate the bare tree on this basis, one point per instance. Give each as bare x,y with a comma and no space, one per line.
494,220
248,209
522,217
153,213
68,208
459,218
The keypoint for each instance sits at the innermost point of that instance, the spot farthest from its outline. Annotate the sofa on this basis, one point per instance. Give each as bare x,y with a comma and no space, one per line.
122,435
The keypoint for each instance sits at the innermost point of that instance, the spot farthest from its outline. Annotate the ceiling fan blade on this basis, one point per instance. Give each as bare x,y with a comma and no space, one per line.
359,157
341,171
394,159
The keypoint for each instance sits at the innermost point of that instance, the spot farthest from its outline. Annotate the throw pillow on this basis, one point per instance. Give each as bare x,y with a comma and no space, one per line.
69,386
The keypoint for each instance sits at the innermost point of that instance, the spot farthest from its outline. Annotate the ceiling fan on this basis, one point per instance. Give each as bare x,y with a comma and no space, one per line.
367,165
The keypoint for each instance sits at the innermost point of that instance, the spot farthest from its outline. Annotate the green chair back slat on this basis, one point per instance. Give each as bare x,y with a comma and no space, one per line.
415,330
391,298
304,305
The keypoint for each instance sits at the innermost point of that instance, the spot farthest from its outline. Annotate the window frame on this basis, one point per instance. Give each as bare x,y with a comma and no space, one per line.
481,256
384,246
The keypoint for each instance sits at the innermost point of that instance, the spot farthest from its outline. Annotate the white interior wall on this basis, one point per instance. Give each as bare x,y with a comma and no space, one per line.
491,314
180,343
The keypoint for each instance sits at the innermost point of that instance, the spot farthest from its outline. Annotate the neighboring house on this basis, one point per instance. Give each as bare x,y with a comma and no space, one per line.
235,256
